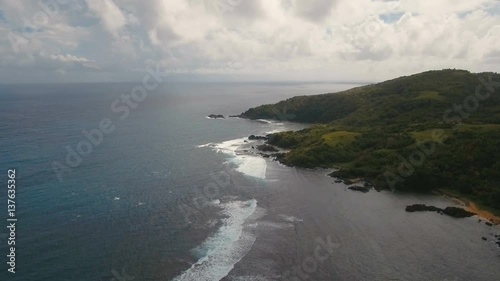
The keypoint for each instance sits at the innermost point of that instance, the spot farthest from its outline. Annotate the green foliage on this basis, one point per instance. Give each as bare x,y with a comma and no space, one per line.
369,130
339,138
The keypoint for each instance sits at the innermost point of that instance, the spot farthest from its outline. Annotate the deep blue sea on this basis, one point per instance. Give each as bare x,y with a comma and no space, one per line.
169,194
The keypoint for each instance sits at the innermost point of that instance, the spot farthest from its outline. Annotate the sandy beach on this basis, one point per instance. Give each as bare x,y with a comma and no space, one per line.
471,207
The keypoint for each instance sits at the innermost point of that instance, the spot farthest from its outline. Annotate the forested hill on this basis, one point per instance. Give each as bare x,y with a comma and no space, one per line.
407,100
380,132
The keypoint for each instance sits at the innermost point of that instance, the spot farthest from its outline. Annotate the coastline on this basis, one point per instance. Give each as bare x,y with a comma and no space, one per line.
466,203
470,206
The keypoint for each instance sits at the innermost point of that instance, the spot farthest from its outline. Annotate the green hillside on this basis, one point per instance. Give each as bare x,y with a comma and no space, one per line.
437,129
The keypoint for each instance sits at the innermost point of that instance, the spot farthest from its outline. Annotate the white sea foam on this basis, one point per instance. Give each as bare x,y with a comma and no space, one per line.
290,218
264,121
205,145
279,130
272,225
220,252
254,166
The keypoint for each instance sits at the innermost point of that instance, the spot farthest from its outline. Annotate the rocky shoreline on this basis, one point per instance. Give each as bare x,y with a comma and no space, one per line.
364,185
260,146
455,212
470,208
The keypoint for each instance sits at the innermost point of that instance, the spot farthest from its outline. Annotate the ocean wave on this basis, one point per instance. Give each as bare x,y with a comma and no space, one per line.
205,145
254,166
264,121
220,252
275,131
290,218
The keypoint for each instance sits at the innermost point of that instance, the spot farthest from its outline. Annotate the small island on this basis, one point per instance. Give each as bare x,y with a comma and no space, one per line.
216,116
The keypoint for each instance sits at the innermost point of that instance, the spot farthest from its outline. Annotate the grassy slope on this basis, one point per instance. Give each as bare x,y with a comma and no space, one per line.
369,131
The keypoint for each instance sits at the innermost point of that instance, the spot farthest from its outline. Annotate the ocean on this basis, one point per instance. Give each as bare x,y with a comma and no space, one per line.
110,188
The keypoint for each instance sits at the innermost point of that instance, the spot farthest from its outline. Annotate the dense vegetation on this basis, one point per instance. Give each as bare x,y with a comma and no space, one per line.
437,129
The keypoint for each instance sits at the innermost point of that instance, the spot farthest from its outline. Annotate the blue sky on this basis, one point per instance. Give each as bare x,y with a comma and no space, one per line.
334,40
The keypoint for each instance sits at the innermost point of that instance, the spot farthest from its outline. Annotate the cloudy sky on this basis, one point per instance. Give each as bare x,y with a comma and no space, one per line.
334,40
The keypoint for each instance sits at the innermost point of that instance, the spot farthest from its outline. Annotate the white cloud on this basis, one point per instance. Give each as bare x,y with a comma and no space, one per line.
270,39
110,15
69,58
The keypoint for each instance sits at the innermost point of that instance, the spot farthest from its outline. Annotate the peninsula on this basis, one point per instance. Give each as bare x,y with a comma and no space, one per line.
432,131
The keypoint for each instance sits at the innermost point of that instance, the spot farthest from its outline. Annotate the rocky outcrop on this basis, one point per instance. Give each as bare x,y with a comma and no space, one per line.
254,137
360,188
450,211
267,148
216,116
422,208
457,212
348,181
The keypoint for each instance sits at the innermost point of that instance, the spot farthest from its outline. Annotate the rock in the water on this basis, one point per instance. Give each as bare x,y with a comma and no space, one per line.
216,116
450,211
338,180
254,137
363,189
457,212
348,181
267,148
422,208
278,156
484,238
489,223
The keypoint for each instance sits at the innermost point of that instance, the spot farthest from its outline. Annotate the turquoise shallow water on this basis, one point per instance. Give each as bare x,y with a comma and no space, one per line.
172,195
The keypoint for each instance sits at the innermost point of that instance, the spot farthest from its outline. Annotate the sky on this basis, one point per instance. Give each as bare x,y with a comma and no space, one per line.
244,40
